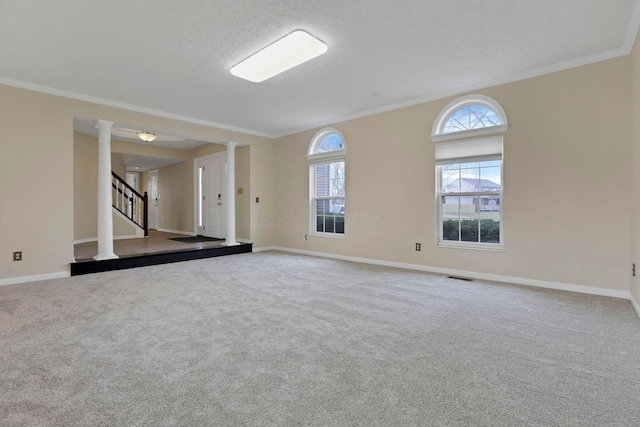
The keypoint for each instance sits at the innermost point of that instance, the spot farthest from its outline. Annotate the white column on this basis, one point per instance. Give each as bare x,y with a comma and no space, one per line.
105,218
231,195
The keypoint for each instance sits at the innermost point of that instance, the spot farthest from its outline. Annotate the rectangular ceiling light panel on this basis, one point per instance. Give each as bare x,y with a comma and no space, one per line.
289,51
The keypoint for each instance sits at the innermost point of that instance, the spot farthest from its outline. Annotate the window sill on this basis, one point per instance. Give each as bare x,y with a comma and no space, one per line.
489,247
327,235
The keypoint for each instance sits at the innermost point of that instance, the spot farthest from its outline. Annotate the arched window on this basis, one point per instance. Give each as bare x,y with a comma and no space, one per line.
471,115
469,177
326,155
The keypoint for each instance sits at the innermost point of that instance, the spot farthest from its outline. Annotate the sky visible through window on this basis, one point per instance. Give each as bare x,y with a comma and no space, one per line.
331,142
471,117
486,174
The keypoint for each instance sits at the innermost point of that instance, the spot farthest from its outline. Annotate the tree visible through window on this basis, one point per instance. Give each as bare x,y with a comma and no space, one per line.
327,183
469,173
329,197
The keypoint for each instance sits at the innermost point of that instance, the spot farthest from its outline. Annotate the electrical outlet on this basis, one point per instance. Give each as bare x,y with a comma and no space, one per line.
304,237
17,256
257,199
633,269
418,247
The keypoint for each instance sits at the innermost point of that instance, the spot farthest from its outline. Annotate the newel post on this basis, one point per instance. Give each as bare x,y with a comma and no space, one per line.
145,216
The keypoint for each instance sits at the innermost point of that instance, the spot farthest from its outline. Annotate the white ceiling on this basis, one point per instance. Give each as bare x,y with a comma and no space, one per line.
127,133
135,163
172,58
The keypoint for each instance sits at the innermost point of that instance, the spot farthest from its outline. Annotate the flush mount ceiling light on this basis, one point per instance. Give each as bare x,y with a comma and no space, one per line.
291,50
146,136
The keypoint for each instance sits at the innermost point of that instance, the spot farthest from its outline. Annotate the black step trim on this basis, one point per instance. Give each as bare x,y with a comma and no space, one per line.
144,260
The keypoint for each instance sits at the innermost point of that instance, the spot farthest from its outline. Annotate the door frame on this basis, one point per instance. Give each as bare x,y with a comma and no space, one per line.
195,190
154,171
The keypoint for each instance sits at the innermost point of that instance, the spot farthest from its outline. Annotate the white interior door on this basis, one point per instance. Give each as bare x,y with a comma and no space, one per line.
132,180
211,206
153,200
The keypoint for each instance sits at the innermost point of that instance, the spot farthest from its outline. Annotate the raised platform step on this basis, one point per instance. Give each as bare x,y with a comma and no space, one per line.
144,260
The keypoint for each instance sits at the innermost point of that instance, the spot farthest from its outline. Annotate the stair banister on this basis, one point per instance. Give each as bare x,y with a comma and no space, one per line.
131,209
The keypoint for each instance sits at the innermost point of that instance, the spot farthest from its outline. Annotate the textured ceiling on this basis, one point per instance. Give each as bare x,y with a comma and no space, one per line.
127,133
174,56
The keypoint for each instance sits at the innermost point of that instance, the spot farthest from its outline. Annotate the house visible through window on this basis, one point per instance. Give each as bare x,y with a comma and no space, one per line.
469,178
470,196
327,184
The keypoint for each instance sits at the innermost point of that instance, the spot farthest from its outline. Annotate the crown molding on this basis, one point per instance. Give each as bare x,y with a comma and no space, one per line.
577,62
625,49
111,103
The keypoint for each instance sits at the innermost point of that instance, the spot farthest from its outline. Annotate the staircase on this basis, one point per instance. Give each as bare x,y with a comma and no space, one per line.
130,203
134,206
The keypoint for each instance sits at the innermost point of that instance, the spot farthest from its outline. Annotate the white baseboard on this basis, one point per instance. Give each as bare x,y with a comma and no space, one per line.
186,233
267,248
95,239
635,304
25,279
90,239
128,237
471,274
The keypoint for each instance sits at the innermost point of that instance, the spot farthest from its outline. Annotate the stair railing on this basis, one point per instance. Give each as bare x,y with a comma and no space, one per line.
130,203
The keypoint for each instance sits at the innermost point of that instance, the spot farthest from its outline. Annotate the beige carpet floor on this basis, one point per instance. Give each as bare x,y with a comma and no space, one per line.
274,339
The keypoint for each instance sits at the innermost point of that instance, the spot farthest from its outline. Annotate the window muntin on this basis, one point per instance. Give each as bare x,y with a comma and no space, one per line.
471,117
469,198
327,184
330,142
329,198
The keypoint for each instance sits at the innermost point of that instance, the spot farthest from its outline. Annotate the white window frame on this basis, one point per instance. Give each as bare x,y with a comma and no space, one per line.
458,147
437,134
318,159
440,242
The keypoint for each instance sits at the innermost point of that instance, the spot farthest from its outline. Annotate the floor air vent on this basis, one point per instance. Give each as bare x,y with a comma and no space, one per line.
466,279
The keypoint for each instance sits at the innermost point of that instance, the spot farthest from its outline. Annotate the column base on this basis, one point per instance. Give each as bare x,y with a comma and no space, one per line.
104,257
230,243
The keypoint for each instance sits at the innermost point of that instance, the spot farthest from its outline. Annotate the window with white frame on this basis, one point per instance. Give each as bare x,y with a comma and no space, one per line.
469,174
326,156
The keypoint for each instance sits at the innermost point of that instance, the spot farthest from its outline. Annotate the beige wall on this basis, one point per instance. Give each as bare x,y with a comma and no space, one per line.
36,184
566,182
263,187
567,177
85,183
635,159
243,201
117,163
37,154
85,196
175,205
175,202
121,227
